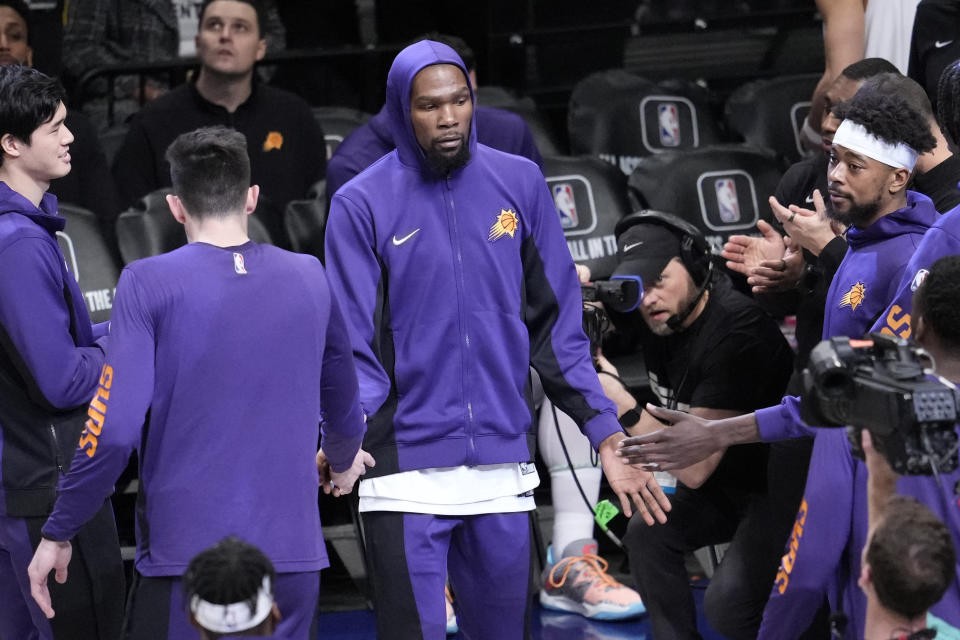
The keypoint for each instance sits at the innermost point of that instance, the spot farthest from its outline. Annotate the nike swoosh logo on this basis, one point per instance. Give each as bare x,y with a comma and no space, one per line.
809,198
941,44
399,241
627,247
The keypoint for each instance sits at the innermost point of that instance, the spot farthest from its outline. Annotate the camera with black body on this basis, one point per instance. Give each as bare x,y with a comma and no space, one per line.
618,294
882,385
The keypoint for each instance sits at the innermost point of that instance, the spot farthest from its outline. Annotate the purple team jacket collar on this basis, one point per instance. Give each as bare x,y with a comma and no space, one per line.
919,215
45,216
406,66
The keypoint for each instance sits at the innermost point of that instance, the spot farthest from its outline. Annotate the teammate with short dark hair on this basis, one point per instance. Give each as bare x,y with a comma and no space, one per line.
50,359
225,357
228,590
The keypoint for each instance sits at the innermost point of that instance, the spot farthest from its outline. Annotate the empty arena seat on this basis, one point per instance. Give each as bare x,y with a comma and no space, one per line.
622,118
337,123
770,113
305,222
722,189
89,259
148,228
591,197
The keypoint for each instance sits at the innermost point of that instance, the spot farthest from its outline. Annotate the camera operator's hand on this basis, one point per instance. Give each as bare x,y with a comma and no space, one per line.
583,273
811,229
881,480
773,276
745,253
687,441
632,484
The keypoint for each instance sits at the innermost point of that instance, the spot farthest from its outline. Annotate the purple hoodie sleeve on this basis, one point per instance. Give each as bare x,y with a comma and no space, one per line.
817,542
559,349
116,415
354,273
34,315
782,422
343,427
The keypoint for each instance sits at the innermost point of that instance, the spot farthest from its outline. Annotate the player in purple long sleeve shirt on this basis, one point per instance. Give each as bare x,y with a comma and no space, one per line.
225,356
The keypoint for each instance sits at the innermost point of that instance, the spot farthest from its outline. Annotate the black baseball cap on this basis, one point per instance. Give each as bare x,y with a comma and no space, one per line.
645,250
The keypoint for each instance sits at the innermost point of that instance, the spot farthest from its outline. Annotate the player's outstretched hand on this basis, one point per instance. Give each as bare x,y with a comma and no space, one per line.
340,484
633,484
745,253
687,441
49,556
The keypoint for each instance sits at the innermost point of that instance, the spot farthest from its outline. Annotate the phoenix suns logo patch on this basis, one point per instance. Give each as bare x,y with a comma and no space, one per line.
506,224
854,297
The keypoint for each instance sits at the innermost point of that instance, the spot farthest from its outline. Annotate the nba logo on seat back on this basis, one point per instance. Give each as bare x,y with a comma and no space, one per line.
727,203
566,204
669,118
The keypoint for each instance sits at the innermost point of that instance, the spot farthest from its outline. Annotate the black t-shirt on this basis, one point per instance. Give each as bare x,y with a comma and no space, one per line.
732,357
934,44
940,184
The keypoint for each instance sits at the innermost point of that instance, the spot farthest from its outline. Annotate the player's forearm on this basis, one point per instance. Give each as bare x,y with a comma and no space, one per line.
736,430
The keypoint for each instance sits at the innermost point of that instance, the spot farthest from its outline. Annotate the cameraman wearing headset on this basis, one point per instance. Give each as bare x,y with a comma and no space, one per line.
713,352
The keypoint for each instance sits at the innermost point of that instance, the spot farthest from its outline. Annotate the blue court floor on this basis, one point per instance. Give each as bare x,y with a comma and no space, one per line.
547,625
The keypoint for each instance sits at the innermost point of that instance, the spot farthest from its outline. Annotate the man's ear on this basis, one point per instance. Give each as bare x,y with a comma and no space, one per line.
865,582
29,60
253,196
919,329
177,208
898,180
261,49
11,145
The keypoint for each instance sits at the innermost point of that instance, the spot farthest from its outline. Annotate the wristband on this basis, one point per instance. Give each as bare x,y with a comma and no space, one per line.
630,418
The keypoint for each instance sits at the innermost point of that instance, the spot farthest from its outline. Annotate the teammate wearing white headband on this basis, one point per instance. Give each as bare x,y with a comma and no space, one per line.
228,590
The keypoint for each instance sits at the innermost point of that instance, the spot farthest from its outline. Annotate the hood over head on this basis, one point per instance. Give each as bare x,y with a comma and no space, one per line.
404,69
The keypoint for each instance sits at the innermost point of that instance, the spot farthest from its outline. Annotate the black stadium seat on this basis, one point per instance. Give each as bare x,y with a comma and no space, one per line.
721,189
305,222
89,259
770,113
545,138
591,197
148,228
622,117
337,123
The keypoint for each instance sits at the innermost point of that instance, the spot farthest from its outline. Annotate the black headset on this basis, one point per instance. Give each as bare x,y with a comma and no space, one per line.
695,253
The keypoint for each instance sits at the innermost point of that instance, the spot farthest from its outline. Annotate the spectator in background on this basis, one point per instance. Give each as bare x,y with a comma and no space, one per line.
89,183
285,142
107,32
935,43
496,128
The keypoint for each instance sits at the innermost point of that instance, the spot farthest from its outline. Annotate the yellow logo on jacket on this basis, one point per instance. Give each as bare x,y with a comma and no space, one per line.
505,225
854,297
274,141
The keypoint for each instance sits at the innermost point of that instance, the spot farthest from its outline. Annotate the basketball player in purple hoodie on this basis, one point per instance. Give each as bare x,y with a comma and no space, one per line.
450,263
225,358
50,360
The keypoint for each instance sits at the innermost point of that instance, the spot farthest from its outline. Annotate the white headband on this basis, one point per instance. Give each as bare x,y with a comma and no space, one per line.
855,137
230,618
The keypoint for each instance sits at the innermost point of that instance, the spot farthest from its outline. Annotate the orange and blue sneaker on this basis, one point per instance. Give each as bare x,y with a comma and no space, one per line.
579,583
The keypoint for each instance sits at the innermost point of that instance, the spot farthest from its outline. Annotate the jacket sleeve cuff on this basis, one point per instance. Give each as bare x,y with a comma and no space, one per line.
782,422
601,427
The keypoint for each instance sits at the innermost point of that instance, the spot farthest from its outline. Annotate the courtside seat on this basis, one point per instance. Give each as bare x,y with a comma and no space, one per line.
337,123
305,222
591,197
89,259
722,189
622,118
148,228
770,113
111,139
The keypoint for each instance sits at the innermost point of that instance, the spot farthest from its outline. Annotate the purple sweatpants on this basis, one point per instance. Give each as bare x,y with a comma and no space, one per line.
488,560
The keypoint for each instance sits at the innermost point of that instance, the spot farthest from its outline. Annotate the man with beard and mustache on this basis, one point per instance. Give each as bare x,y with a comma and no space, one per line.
874,152
712,351
455,278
